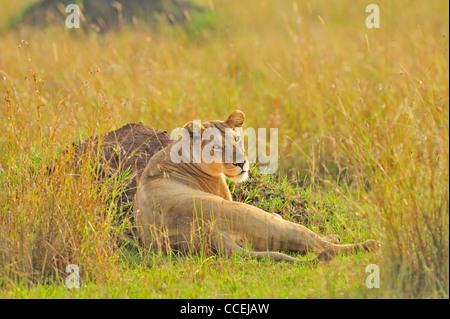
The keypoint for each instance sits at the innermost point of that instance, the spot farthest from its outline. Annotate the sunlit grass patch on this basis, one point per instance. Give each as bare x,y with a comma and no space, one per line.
362,117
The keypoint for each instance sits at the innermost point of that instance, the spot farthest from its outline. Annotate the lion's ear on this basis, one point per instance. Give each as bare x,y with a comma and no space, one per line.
236,119
194,126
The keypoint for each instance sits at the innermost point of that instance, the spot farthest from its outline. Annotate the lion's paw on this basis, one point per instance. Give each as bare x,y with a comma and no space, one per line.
334,239
371,245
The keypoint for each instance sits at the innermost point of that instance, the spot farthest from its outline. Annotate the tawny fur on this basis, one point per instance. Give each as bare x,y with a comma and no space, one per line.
188,207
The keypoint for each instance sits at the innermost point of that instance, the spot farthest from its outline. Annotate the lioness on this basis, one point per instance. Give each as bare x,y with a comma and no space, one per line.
187,206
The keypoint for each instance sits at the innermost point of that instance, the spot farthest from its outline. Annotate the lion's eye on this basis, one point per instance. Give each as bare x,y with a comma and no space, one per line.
216,147
237,139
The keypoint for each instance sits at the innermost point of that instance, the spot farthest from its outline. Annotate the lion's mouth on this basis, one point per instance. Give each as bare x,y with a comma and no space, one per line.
242,175
242,172
238,178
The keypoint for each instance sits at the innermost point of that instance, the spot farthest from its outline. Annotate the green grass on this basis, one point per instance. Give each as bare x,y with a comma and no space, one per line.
137,273
194,277
362,116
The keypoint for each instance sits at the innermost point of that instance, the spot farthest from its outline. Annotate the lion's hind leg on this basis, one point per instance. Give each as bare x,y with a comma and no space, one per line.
333,250
229,247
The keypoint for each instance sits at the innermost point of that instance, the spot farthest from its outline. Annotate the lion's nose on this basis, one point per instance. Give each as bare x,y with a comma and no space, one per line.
241,165
244,166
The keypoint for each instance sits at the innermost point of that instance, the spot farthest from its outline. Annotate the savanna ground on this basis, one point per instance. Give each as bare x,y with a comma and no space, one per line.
363,128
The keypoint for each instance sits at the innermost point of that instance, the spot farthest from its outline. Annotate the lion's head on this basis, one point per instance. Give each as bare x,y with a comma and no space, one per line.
218,148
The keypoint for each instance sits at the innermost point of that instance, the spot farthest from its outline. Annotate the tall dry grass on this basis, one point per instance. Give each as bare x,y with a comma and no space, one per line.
53,213
365,110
